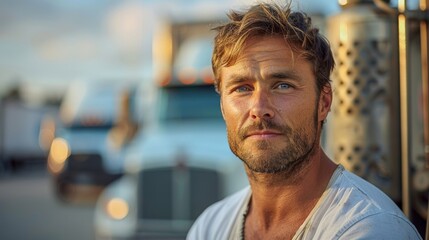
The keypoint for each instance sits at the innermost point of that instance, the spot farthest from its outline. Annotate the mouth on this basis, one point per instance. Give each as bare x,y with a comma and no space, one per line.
263,134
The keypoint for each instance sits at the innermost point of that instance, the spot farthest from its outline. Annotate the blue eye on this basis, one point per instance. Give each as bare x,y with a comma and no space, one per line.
242,89
283,86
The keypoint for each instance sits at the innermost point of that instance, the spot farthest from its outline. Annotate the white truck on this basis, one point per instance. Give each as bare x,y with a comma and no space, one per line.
181,162
88,138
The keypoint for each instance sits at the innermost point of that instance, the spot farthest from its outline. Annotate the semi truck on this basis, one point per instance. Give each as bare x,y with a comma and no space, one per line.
181,162
95,122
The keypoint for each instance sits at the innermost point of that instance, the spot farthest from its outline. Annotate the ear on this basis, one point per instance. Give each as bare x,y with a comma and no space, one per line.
325,101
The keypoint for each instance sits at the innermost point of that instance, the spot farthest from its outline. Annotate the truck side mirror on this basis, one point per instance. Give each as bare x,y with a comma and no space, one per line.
125,127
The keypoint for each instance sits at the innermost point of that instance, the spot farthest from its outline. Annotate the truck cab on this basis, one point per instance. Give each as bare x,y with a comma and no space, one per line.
180,163
86,153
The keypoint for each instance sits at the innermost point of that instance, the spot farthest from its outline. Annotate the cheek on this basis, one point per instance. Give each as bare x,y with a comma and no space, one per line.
232,111
297,112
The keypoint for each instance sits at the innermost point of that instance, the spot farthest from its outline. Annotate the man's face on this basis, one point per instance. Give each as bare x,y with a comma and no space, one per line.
271,107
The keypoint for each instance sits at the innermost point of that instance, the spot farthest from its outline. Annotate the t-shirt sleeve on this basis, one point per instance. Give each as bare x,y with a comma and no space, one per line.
208,224
216,222
197,230
380,226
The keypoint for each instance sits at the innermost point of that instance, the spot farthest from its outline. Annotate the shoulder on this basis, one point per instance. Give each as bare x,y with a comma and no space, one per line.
217,220
349,192
357,190
381,225
354,206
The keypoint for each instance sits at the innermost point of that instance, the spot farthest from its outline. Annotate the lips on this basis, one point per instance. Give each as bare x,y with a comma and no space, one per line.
263,134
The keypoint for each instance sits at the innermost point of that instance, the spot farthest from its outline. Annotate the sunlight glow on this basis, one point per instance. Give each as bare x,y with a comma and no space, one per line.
342,2
117,208
60,150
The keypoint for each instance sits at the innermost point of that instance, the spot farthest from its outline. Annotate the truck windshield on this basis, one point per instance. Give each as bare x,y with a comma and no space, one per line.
190,103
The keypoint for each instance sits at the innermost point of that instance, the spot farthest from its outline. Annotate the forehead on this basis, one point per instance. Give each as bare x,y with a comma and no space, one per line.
264,48
268,53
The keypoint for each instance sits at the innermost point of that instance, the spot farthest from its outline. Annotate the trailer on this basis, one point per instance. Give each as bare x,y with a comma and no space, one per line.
19,133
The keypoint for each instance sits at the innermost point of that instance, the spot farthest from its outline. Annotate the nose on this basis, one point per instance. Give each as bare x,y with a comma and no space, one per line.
261,107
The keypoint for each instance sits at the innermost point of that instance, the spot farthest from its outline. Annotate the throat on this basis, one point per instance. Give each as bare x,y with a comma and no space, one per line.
253,229
254,226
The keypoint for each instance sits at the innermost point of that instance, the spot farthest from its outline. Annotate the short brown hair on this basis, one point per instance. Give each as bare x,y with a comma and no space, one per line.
273,20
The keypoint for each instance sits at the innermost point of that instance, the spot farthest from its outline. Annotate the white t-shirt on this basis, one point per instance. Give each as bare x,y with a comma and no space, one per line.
350,208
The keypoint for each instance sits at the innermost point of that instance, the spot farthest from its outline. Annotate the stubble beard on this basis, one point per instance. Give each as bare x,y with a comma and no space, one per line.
293,157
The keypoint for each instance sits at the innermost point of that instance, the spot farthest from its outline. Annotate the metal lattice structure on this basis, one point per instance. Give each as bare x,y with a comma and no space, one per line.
363,126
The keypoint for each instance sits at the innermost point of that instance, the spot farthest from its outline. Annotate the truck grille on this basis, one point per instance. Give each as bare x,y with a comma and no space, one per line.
176,193
85,163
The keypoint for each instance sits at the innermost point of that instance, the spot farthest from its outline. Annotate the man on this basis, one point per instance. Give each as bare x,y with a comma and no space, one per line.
272,71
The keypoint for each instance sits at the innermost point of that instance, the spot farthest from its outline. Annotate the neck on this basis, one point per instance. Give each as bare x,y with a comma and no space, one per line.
276,197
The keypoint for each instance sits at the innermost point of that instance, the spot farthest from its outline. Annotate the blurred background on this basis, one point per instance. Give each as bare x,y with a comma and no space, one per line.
110,127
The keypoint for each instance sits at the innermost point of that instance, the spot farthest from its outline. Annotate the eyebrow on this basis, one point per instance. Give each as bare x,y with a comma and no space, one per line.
285,74
235,79
288,74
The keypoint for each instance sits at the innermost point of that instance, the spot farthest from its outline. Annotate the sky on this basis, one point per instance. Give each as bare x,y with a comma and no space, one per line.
46,44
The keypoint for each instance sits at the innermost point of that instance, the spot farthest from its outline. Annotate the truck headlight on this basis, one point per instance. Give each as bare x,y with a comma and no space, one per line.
117,208
58,154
